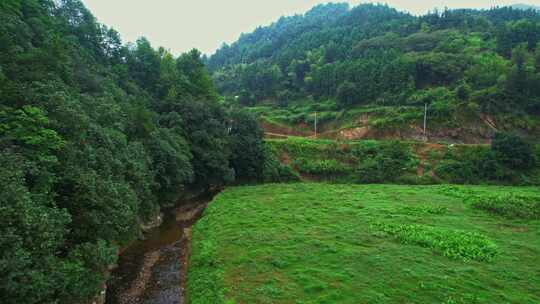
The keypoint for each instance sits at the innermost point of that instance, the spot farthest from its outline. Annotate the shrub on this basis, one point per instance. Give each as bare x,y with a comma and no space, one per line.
454,244
456,172
413,179
425,209
513,151
455,191
323,167
387,163
274,171
472,166
510,206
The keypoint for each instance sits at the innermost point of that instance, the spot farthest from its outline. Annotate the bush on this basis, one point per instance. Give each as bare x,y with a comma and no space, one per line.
425,210
323,167
413,179
274,171
510,160
455,191
456,172
510,206
454,244
473,165
513,151
388,162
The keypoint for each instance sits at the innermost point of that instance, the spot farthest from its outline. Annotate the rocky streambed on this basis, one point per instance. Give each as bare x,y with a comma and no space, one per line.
154,270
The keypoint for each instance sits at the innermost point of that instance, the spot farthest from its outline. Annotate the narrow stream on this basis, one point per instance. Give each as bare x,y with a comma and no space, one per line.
151,271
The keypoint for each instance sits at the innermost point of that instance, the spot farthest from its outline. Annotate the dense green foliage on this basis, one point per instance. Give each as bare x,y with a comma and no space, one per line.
370,161
365,161
510,206
321,243
248,150
462,63
274,171
509,159
451,243
513,151
385,163
95,137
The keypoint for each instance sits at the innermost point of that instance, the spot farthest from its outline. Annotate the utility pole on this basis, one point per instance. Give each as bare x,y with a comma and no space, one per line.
315,124
425,123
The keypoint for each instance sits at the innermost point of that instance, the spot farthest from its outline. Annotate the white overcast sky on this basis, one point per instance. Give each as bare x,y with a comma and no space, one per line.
180,25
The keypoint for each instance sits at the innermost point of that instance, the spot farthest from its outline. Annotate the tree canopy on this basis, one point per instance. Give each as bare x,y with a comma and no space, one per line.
373,54
95,137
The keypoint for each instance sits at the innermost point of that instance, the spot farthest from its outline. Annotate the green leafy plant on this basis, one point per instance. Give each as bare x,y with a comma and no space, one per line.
425,209
322,167
510,206
385,164
455,244
274,171
513,151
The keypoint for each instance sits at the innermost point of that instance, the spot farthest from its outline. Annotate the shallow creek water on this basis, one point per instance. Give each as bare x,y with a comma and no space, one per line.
152,271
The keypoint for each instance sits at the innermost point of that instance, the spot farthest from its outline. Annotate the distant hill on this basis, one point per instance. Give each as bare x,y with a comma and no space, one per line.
471,66
526,7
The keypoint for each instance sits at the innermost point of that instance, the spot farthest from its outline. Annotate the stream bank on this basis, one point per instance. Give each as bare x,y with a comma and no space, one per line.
153,270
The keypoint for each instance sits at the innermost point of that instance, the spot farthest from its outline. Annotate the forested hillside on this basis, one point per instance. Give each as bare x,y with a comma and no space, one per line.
467,65
96,137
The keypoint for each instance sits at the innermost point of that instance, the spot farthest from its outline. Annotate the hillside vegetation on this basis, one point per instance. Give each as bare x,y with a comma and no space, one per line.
95,138
509,160
373,67
320,243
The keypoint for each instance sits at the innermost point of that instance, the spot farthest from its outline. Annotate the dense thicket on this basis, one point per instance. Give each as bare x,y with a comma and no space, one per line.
484,61
95,137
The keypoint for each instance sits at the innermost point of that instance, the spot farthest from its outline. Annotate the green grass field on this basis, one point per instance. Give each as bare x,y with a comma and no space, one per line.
321,243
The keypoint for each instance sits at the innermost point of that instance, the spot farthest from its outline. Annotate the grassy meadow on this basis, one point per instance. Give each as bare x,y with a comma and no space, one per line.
322,243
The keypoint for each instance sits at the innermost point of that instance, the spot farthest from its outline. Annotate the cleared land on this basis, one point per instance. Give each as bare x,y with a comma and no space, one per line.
320,243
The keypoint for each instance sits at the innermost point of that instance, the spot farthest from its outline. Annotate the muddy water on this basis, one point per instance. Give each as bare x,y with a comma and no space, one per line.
151,271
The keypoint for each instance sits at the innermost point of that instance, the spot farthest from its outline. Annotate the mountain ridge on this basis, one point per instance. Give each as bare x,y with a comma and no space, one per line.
336,60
